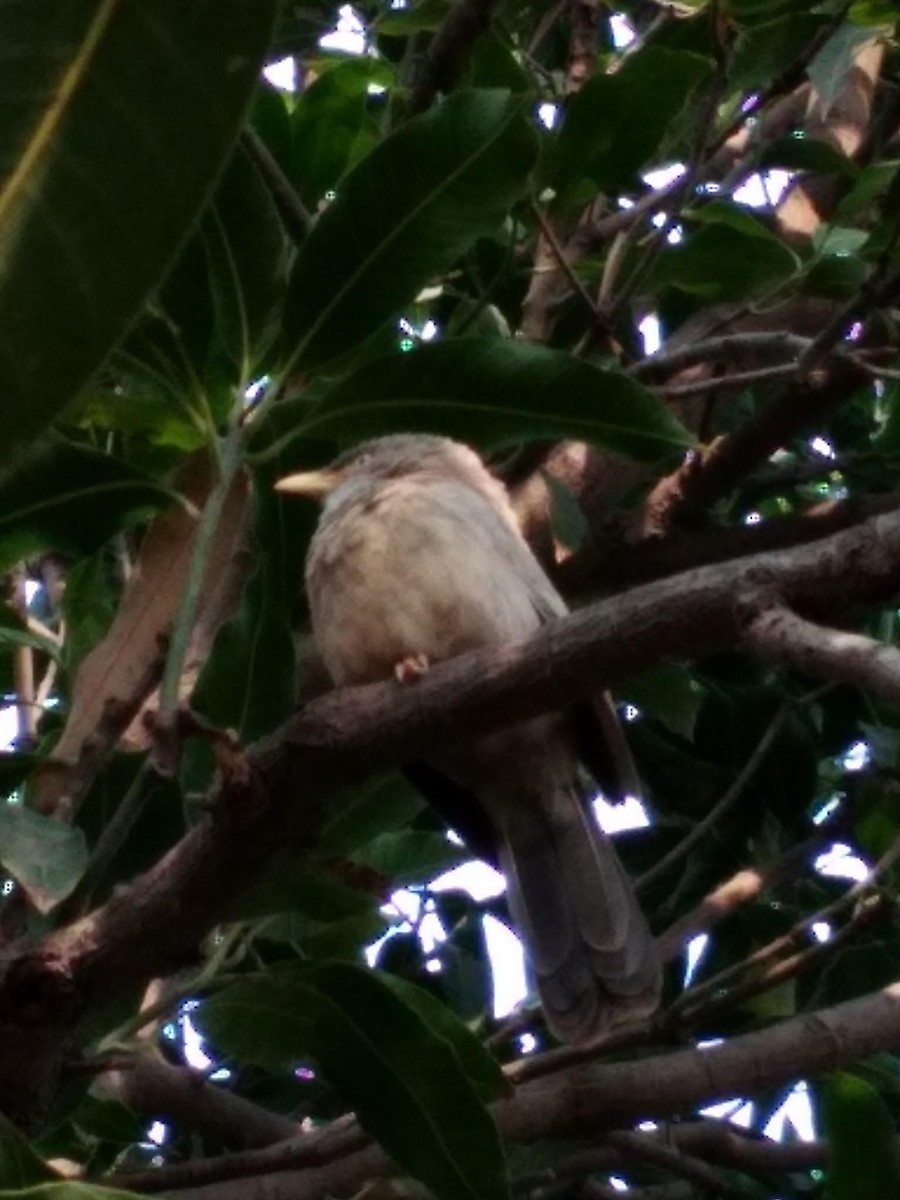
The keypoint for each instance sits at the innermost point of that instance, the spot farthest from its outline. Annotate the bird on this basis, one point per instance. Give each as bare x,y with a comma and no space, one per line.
418,557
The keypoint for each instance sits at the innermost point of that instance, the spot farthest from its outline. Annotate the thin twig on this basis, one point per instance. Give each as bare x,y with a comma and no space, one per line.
721,809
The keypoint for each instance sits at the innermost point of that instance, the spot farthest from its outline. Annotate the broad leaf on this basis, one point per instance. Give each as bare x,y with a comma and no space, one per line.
411,856
70,499
616,122
402,216
117,120
20,1165
479,1064
726,255
862,1143
404,1080
329,126
296,886
491,391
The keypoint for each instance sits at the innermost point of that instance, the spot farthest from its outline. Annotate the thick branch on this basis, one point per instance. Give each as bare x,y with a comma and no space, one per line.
732,458
585,1099
148,929
346,735
779,634
597,567
152,1087
450,50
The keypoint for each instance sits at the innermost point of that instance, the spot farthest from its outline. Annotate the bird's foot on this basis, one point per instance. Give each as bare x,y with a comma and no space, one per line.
411,669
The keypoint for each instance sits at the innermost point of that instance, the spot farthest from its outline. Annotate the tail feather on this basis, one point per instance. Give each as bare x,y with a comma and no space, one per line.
594,956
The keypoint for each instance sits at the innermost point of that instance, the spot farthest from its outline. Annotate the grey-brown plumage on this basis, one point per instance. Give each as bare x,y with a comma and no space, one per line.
418,557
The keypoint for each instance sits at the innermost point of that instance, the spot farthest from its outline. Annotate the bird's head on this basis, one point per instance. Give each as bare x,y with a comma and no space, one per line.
398,456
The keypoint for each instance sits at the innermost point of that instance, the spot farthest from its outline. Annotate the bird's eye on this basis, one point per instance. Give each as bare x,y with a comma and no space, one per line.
361,460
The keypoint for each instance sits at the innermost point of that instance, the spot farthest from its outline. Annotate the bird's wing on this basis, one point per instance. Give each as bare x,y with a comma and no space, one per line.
497,531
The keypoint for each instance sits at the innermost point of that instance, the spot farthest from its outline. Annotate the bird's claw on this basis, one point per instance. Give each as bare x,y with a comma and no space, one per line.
411,669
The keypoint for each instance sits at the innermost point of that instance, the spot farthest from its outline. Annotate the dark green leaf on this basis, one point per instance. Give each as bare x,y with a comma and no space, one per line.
314,940
477,1062
405,1081
329,126
491,391
379,808
670,693
404,215
20,1165
887,441
807,154
862,1141
424,17
88,606
117,119
410,856
766,50
69,498
727,255
14,632
872,183
248,264
296,886
616,122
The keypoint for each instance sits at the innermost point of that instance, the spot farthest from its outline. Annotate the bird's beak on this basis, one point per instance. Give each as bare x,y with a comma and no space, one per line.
312,484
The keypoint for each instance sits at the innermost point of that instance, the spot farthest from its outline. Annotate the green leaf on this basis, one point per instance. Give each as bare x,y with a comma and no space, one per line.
69,498
314,940
807,154
424,17
117,120
872,183
616,123
14,632
671,694
403,215
765,50
248,267
411,856
248,681
329,125
874,13
46,856
862,1142
726,255
88,605
404,1080
379,808
296,886
491,391
477,1062
887,440
20,1165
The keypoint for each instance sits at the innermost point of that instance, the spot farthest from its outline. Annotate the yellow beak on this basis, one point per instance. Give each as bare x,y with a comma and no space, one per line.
312,484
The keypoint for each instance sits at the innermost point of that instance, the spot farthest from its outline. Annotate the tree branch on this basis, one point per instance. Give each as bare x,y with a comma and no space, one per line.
778,634
149,928
450,50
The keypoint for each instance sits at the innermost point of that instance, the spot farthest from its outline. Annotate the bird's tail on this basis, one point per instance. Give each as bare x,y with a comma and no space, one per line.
595,958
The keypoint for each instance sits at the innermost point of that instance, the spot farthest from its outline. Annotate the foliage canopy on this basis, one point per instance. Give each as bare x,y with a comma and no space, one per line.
469,228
